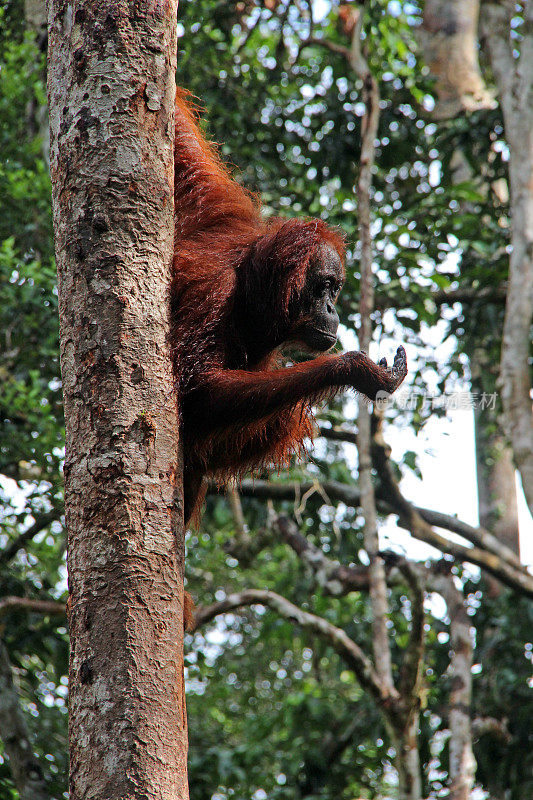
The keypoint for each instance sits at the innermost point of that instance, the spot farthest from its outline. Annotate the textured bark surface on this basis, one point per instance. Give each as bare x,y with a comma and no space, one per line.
404,732
462,762
449,39
495,470
498,508
514,77
111,98
378,583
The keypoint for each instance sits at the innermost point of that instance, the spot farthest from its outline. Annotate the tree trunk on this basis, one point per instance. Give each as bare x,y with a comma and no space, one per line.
378,582
498,509
111,98
515,376
514,77
25,769
407,759
462,770
495,473
449,40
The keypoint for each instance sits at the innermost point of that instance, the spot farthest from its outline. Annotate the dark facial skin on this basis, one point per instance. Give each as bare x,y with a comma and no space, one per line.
316,327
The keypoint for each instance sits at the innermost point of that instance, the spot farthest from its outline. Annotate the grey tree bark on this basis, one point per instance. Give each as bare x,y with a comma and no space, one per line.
404,729
111,74
498,508
449,39
449,36
514,77
25,769
462,770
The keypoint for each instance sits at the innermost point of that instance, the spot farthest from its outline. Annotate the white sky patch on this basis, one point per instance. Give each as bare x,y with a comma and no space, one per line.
446,457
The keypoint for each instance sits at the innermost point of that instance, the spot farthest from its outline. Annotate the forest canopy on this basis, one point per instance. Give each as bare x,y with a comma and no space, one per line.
328,661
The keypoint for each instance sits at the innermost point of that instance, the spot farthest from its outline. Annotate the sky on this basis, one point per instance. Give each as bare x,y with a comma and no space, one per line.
447,461
445,451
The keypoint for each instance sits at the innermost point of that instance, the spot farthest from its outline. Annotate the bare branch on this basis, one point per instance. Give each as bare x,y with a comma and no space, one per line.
338,434
292,491
29,604
411,519
335,578
42,521
339,579
350,496
478,536
349,651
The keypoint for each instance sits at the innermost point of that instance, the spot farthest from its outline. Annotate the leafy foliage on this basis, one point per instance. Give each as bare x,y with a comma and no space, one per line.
273,712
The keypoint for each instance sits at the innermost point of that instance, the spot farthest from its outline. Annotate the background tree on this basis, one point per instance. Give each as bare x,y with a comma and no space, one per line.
274,709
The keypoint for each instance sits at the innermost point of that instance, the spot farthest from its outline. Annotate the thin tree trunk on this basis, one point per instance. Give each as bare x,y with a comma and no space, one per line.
514,77
515,373
495,471
449,39
111,98
25,769
407,760
498,508
406,745
462,769
378,582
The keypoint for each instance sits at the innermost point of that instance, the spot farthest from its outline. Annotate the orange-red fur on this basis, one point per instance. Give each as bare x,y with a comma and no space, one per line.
217,222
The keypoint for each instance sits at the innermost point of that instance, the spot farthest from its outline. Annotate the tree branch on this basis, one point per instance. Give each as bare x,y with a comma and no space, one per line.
413,660
335,578
349,651
29,604
42,521
336,434
478,536
410,518
417,521
350,496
